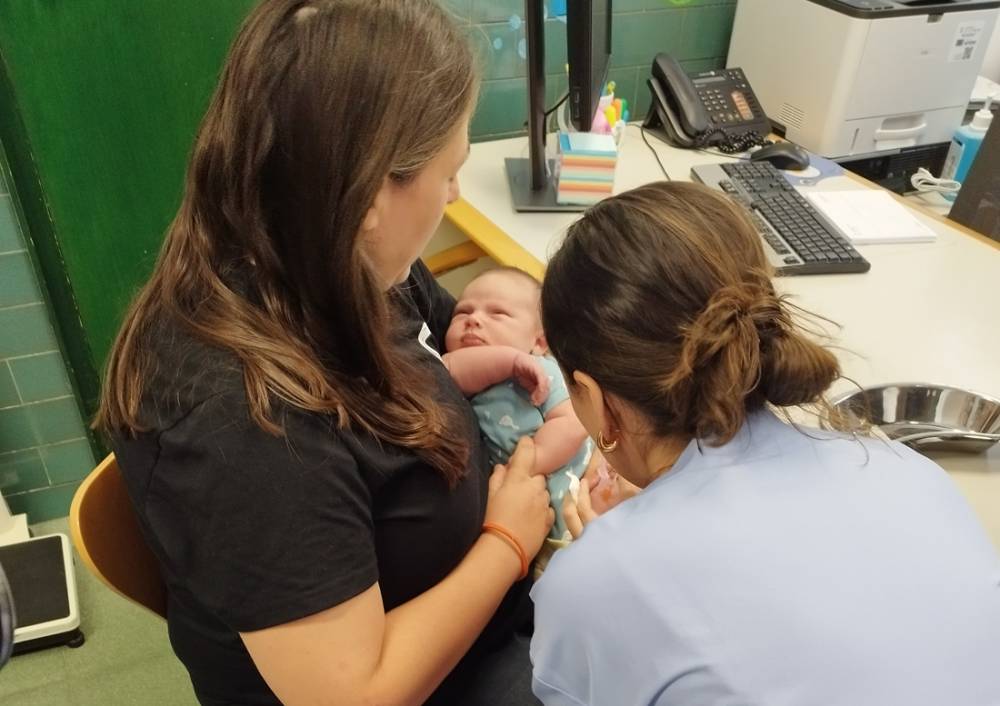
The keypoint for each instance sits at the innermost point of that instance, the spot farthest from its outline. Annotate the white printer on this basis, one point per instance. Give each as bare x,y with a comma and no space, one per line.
877,85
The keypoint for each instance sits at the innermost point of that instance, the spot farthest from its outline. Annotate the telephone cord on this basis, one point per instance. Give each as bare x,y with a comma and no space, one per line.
731,143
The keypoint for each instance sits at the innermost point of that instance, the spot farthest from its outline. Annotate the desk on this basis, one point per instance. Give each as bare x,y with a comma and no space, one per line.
926,312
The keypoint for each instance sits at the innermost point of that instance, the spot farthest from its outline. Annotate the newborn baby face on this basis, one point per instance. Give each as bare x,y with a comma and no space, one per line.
497,309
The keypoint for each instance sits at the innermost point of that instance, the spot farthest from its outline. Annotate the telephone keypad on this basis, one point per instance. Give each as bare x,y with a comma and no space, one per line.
732,102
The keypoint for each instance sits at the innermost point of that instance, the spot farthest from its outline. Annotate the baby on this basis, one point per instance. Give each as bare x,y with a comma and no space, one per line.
496,355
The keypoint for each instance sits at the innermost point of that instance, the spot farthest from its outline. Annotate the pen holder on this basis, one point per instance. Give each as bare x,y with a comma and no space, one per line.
586,164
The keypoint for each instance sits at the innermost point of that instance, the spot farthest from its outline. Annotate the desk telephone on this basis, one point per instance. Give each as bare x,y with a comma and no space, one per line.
710,108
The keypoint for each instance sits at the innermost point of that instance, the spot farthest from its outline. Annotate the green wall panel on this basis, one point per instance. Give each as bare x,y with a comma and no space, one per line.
101,101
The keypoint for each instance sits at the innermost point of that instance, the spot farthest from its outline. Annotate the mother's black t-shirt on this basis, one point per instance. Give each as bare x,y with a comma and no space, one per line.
254,530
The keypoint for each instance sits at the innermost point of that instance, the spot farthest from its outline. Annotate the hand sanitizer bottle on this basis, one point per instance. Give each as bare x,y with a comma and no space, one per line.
965,144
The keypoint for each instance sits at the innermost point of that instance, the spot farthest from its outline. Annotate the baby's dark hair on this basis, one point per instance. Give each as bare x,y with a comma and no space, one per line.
663,295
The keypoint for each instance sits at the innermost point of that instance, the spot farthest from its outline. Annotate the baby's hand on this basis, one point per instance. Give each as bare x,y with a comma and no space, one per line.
529,374
607,488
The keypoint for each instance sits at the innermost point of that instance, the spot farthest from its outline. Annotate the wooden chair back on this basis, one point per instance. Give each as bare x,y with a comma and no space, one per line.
107,536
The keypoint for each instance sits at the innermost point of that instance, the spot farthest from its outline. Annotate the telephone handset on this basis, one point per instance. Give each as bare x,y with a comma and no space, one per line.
708,108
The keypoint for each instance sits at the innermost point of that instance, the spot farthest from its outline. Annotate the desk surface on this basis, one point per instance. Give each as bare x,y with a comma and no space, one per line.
926,312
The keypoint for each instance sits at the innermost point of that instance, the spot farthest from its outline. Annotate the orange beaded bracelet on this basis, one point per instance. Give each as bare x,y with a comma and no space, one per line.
509,537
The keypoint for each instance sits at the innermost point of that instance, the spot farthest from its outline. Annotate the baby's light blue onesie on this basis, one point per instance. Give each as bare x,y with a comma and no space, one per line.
505,414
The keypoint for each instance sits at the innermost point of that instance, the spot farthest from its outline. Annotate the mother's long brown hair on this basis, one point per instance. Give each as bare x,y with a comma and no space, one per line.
319,102
663,295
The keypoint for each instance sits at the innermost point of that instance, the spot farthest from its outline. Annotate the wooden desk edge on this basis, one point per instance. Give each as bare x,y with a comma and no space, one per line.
492,239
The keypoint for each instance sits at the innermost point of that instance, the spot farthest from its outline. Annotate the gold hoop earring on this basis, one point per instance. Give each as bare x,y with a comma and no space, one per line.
604,445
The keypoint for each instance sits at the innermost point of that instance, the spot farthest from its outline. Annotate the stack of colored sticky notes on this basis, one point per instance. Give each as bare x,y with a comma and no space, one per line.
586,167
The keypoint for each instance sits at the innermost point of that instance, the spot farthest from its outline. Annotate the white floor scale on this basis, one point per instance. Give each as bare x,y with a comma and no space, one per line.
42,586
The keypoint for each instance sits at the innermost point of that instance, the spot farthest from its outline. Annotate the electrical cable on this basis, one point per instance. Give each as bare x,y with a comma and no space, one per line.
556,106
549,112
716,153
923,180
642,130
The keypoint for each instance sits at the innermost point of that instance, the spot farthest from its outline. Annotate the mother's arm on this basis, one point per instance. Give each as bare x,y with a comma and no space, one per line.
356,653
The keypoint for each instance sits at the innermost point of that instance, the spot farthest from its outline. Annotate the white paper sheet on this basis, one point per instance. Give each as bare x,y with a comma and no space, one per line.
868,216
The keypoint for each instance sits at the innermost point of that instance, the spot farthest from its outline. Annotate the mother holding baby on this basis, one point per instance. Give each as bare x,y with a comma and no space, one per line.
311,480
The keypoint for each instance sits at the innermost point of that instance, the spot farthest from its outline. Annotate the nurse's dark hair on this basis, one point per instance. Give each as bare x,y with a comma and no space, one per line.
319,102
663,295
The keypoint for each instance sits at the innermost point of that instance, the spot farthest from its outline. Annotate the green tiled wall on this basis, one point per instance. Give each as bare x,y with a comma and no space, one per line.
44,448
695,31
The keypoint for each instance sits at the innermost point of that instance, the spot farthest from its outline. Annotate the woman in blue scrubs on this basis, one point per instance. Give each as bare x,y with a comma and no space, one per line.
762,562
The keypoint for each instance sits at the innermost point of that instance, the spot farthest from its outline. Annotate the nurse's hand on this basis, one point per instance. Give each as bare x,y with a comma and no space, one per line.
578,512
519,501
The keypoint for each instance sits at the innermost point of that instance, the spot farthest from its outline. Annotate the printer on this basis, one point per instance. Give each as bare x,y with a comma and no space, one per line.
879,86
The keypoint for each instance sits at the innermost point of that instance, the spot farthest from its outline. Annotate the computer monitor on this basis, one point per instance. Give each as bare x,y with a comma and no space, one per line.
588,50
978,203
588,35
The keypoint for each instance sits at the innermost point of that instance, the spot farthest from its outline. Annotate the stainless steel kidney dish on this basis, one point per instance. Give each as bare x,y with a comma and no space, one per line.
927,417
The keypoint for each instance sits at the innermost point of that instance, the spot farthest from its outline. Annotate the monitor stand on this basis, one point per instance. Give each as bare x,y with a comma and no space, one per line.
527,199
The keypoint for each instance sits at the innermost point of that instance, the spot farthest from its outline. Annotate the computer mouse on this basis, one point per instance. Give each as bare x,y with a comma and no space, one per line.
783,155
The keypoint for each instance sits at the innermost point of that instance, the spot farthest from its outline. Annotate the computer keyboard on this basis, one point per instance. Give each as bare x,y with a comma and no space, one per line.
798,239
